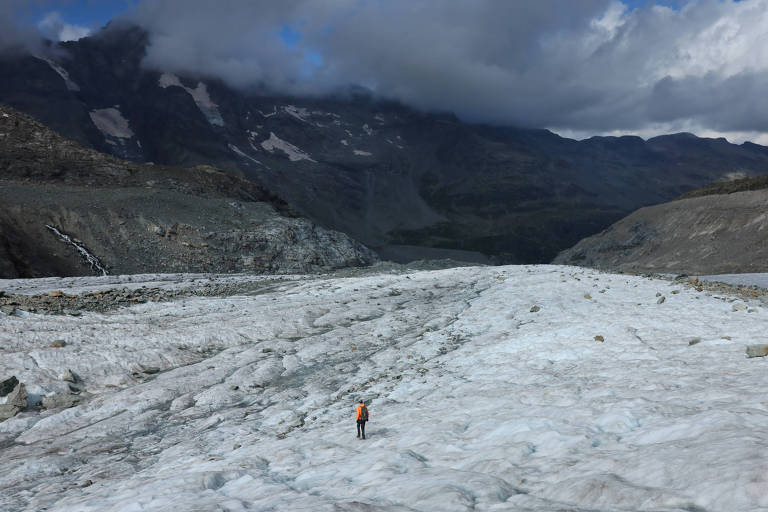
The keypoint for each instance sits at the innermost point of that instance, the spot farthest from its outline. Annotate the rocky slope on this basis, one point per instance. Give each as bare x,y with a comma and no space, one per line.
394,178
719,229
68,210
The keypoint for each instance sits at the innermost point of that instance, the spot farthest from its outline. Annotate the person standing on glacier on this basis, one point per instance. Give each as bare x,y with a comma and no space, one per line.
362,417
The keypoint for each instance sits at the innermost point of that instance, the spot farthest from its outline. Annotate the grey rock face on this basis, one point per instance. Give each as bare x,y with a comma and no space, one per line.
17,397
69,376
705,235
8,411
757,350
60,401
142,218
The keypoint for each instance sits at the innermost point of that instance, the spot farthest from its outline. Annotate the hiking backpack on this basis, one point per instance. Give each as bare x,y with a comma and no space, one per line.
364,413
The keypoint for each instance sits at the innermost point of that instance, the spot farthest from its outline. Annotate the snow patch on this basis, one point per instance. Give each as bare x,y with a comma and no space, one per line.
326,114
199,94
241,153
367,129
169,80
359,152
63,73
344,142
733,176
273,113
303,115
300,113
294,154
110,121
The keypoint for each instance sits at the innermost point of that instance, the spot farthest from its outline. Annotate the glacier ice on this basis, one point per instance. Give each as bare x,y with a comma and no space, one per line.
476,402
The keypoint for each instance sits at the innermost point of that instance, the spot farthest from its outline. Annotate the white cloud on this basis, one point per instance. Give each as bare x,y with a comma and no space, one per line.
54,27
15,37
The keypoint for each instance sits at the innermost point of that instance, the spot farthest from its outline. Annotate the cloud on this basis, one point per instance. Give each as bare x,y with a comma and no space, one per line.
591,66
15,36
19,34
53,26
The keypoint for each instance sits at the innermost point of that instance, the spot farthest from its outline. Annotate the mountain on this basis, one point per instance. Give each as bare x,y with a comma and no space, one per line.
68,210
478,401
407,183
718,229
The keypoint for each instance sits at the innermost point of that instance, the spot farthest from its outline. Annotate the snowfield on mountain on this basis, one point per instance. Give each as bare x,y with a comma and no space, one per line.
529,388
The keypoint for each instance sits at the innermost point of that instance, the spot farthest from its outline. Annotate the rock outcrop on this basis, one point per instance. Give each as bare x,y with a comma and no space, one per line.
8,385
14,401
68,210
699,235
60,401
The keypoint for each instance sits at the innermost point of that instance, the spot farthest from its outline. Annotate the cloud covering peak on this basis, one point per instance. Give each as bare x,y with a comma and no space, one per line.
592,66
587,66
54,26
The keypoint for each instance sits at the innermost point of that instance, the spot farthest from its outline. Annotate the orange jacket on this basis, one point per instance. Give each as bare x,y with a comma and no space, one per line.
359,406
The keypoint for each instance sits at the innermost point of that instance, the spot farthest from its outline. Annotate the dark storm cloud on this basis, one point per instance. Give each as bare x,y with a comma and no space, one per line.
483,59
587,65
724,104
15,35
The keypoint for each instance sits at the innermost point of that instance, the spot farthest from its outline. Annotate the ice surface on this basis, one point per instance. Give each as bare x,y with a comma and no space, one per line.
80,285
110,121
200,96
294,154
753,279
476,402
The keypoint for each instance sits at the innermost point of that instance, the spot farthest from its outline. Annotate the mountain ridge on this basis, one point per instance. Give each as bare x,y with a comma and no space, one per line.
385,174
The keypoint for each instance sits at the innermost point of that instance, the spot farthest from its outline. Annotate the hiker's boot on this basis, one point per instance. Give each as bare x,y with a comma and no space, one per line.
363,436
358,436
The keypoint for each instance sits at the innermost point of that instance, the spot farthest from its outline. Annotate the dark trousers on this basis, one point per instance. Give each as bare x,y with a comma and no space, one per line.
361,427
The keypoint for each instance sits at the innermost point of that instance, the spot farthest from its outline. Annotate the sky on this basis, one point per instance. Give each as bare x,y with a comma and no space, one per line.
579,68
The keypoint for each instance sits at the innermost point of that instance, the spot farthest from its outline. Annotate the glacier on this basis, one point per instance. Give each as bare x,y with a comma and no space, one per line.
489,389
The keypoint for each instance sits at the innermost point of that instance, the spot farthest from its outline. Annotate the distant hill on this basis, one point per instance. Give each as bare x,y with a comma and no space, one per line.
68,210
404,182
729,187
718,229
